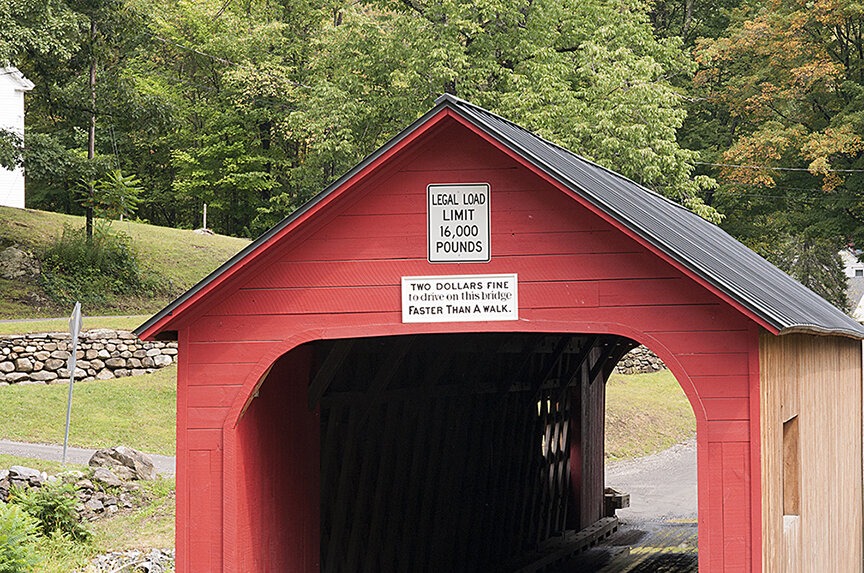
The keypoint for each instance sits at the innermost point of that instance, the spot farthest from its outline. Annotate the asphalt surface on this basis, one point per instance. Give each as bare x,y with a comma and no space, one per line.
164,464
661,486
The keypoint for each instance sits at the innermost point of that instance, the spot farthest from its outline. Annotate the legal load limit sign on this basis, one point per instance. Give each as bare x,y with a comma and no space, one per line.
458,222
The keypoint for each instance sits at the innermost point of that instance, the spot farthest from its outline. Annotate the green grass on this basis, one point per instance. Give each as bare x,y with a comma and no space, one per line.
645,414
62,324
149,525
180,258
23,299
138,412
183,256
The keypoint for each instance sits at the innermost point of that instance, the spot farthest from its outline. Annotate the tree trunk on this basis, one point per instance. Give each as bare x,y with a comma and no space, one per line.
91,136
688,20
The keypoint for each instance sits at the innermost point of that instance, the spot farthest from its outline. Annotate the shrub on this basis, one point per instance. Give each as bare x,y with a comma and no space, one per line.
93,271
54,507
17,531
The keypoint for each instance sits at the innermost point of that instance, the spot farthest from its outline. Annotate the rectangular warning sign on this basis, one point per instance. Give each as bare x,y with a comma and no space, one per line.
458,221
469,298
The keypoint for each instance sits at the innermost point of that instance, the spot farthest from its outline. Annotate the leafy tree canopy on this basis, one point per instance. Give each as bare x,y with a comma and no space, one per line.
780,119
589,75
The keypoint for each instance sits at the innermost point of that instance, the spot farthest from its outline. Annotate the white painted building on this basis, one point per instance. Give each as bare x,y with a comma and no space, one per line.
13,84
854,270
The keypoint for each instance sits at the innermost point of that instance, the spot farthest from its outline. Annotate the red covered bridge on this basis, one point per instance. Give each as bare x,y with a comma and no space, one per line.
408,373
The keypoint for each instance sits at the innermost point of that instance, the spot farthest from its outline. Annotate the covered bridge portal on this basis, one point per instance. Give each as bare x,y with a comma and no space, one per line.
408,373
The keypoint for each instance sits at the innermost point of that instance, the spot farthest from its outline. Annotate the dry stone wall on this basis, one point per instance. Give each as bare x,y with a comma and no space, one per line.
640,360
102,354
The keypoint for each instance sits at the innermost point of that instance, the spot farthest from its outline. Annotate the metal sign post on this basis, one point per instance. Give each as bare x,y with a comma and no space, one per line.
74,330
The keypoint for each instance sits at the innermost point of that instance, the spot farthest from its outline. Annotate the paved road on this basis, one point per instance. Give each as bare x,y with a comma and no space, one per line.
164,464
660,486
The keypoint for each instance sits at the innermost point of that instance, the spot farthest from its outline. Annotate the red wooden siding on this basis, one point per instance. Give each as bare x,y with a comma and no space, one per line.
340,278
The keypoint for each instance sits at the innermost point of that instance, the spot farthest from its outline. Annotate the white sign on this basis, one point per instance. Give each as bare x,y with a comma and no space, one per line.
75,322
458,220
470,298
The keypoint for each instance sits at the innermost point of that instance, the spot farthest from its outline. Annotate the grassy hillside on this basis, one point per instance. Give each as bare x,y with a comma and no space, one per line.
36,325
645,414
177,258
138,412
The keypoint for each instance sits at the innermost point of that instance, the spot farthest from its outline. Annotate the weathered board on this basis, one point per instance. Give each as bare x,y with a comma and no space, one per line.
816,381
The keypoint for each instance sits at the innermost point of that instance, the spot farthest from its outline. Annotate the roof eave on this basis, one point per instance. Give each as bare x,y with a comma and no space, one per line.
777,325
816,330
24,85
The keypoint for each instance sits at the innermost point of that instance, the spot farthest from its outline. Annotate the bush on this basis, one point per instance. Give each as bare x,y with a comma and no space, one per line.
54,507
94,271
17,532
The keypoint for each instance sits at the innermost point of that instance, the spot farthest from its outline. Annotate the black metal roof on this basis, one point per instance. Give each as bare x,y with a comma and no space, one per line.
695,243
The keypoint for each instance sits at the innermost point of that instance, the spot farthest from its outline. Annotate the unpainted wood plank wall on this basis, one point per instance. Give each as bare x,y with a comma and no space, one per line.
817,379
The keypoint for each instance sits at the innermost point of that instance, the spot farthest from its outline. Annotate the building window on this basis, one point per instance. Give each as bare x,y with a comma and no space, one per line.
859,272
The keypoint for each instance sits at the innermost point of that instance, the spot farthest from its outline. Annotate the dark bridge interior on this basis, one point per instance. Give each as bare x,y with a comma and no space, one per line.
468,452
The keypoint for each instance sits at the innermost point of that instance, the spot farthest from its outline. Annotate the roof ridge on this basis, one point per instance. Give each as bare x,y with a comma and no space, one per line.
452,99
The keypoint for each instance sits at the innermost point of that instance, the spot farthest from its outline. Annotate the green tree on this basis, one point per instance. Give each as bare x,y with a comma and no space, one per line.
815,262
37,28
64,46
11,149
114,195
225,72
588,75
254,106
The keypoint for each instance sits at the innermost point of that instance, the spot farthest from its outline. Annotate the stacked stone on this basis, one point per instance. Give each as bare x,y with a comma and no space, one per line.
104,490
151,561
640,360
102,354
104,494
95,502
20,477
